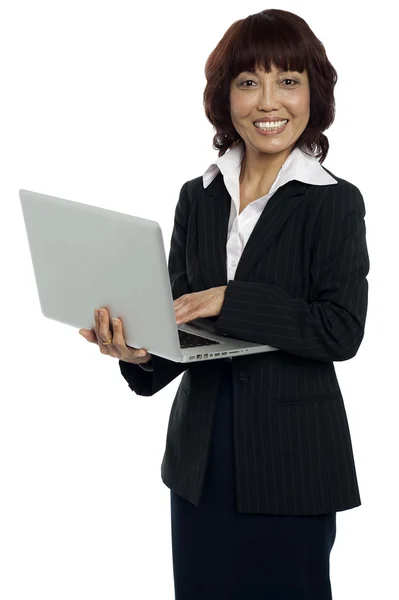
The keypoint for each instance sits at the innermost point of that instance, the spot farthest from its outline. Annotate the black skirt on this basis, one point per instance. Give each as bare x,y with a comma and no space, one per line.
219,554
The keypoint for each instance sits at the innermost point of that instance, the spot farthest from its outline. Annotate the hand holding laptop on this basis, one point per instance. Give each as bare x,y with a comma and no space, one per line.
188,307
118,348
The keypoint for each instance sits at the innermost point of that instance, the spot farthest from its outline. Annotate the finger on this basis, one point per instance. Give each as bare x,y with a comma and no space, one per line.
184,316
120,343
181,314
102,331
119,339
89,335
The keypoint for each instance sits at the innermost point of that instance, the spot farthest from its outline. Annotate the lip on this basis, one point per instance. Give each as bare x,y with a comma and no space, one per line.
273,131
270,119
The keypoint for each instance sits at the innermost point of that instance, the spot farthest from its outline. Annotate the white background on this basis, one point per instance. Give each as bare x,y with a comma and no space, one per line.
102,103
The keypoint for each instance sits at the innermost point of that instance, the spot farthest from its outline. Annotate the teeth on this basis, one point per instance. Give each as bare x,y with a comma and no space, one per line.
271,125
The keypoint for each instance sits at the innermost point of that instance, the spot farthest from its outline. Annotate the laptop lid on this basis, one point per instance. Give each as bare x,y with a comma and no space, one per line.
84,257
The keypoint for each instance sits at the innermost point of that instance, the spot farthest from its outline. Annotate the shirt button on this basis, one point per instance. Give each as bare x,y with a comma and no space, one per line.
233,263
243,377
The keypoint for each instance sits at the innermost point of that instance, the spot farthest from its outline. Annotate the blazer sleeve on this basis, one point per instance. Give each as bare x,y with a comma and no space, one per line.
147,380
330,327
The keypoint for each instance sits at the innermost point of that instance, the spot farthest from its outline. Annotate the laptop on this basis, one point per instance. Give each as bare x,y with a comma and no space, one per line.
84,257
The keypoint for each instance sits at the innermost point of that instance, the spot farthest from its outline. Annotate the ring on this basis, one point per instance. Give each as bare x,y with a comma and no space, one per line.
107,342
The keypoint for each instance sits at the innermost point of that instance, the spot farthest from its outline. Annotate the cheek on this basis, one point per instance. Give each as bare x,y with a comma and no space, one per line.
299,112
240,106
300,104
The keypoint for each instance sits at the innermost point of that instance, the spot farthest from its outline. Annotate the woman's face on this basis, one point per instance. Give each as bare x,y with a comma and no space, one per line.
280,95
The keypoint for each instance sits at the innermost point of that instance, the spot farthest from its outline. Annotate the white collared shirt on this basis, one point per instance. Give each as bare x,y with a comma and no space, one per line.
298,165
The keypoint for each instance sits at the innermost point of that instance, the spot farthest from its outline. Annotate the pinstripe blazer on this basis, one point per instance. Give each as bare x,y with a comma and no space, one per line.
301,287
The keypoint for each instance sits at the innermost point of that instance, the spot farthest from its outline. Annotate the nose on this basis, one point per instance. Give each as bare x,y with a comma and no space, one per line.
268,99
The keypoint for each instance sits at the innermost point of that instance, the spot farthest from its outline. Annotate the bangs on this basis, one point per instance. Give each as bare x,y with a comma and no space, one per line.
261,44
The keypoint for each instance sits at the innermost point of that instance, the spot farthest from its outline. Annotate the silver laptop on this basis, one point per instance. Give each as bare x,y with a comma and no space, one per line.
85,257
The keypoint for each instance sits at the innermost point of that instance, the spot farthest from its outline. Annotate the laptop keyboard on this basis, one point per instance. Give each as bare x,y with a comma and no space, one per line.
189,340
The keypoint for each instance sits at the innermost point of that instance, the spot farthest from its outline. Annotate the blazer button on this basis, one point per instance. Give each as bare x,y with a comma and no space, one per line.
243,377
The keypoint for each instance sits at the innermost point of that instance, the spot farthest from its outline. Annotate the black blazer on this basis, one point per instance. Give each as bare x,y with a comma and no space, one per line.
301,287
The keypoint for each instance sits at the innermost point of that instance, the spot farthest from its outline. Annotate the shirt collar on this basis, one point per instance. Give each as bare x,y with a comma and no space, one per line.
298,165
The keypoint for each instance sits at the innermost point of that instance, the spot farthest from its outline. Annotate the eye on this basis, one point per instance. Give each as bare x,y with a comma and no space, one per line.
247,80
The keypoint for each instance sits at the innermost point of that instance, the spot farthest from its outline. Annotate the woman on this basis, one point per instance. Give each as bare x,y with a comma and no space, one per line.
272,247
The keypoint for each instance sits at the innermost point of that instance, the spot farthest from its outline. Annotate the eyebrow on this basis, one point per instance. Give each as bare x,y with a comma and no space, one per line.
280,71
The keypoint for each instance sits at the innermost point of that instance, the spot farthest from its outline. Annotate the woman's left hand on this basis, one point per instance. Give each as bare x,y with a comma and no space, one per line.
199,304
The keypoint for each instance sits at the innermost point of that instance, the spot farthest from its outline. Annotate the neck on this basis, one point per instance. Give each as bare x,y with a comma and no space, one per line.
260,169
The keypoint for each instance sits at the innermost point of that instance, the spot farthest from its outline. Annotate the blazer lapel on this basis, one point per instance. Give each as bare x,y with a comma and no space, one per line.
213,218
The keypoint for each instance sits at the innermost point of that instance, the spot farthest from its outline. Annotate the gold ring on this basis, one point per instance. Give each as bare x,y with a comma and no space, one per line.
107,342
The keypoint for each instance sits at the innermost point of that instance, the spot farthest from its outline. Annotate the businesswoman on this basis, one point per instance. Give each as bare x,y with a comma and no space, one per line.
270,247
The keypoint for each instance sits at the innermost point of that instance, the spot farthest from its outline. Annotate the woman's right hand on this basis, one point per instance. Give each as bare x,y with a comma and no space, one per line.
104,331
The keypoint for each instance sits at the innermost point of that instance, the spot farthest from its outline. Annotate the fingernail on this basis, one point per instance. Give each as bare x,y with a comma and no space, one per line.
114,320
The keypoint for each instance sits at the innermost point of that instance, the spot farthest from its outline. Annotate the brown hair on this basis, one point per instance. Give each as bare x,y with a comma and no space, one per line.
270,37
